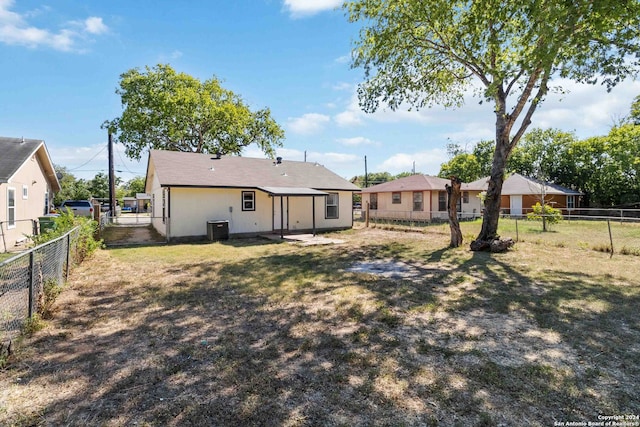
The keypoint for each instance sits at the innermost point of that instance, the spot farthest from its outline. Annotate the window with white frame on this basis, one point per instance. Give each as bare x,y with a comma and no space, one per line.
331,209
571,202
25,192
11,207
396,198
465,197
248,200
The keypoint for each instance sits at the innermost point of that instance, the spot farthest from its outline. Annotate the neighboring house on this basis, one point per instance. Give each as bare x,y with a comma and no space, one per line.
520,193
254,196
416,197
27,184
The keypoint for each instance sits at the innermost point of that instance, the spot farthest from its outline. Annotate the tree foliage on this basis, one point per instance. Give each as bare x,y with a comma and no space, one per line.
419,53
70,187
464,166
163,109
547,214
134,186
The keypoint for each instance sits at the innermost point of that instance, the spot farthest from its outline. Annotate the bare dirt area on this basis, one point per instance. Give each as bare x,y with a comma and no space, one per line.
131,235
386,328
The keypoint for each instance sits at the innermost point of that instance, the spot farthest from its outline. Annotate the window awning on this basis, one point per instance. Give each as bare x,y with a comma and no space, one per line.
292,191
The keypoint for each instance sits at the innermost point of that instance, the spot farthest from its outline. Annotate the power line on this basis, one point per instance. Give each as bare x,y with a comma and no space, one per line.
87,162
124,164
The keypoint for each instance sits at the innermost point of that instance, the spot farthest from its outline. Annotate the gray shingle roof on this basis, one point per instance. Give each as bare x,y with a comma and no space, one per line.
177,169
410,183
14,153
517,184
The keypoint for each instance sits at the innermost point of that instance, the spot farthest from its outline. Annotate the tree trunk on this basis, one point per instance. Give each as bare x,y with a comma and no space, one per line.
489,230
454,195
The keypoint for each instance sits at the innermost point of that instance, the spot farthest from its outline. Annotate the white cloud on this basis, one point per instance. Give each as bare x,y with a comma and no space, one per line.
358,140
308,124
94,25
349,118
344,59
427,162
586,109
342,86
302,8
15,30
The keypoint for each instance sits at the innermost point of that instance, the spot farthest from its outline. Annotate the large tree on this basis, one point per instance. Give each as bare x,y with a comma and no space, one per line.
163,109
419,53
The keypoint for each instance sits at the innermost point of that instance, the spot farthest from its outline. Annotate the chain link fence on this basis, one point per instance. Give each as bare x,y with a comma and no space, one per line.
24,276
15,235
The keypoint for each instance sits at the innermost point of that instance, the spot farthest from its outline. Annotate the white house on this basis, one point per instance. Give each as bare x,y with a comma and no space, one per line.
27,184
190,191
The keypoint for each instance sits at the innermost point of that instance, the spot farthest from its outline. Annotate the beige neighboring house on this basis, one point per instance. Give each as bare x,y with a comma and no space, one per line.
27,184
191,191
520,193
416,197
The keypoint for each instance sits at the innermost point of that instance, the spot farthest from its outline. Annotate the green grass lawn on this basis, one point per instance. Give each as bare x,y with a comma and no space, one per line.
253,333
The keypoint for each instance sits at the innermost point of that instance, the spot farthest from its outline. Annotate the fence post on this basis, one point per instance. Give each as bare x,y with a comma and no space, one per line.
4,242
517,233
31,280
66,270
610,238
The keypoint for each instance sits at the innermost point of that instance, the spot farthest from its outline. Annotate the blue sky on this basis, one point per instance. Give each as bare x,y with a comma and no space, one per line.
61,62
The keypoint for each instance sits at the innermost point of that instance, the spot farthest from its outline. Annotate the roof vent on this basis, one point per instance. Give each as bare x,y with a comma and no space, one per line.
217,157
279,160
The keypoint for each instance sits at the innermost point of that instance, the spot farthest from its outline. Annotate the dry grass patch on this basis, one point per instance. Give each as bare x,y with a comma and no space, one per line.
251,332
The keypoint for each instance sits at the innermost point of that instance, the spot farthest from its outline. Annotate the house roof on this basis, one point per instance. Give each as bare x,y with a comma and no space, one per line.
410,183
517,184
292,191
179,169
16,151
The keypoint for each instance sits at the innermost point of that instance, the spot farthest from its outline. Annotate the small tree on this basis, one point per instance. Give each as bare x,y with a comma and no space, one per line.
547,214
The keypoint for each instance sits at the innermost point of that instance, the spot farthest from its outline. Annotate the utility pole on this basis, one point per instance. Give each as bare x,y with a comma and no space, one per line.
366,175
112,180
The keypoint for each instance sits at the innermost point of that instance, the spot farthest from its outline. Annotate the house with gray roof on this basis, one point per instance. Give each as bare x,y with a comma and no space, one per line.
27,184
521,193
191,193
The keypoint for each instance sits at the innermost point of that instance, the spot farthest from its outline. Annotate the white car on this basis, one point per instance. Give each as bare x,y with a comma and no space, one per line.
78,207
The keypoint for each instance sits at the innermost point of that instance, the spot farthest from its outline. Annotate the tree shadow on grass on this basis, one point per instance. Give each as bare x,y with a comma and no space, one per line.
289,338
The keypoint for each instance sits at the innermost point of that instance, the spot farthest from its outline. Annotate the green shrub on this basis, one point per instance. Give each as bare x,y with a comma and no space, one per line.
32,325
86,241
50,292
551,214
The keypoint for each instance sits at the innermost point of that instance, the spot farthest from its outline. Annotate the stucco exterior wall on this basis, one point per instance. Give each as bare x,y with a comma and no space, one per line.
404,209
192,208
31,177
474,207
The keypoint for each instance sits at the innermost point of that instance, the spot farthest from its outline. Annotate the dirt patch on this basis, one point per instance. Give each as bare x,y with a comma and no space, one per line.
127,235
